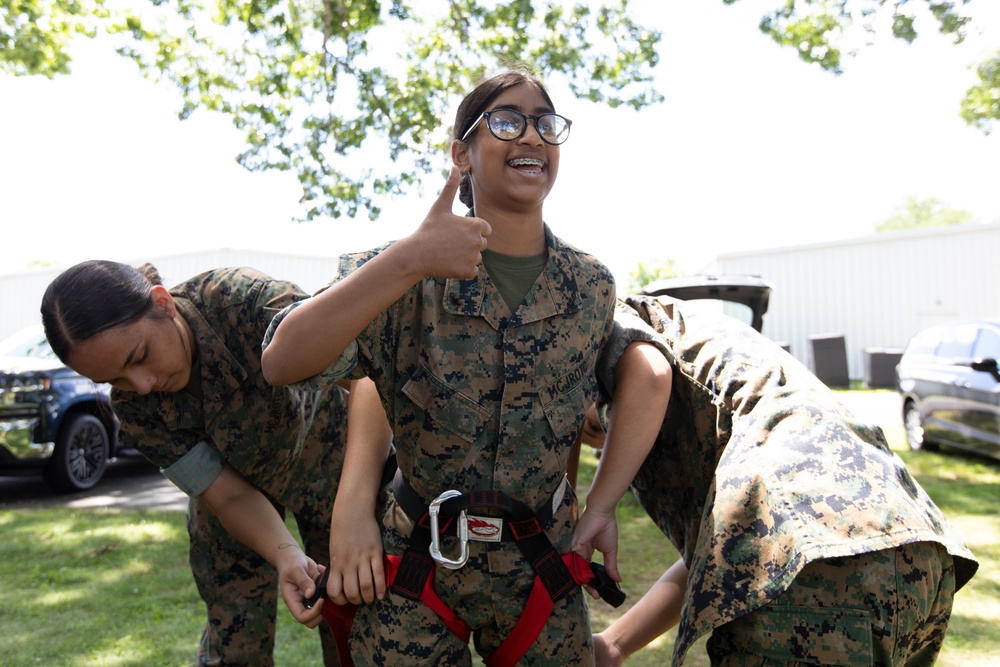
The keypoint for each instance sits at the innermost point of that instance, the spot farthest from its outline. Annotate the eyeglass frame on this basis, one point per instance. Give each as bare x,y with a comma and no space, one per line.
524,128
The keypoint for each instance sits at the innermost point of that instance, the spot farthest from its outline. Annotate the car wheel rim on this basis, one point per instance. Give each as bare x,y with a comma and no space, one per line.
914,429
86,456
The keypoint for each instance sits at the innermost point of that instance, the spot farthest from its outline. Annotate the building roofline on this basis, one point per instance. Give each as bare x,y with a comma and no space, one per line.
871,239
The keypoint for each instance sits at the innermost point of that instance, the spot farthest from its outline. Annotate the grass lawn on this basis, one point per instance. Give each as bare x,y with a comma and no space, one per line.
112,588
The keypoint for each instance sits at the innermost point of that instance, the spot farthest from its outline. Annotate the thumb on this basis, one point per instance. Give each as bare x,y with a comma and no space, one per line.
446,199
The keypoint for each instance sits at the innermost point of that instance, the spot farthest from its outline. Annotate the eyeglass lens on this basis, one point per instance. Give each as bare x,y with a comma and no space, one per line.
507,125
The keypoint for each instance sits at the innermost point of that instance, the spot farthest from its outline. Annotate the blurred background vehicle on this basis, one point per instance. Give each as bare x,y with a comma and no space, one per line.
740,296
53,421
950,386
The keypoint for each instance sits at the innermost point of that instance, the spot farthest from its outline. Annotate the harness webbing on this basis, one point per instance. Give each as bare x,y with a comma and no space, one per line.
412,575
536,612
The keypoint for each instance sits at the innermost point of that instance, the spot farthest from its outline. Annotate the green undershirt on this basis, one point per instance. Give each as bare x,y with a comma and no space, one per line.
513,276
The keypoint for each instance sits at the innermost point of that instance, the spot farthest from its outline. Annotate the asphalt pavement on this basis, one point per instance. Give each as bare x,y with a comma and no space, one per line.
132,483
129,483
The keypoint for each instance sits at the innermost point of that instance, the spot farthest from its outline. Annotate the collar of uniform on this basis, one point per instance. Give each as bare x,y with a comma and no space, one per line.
555,291
221,374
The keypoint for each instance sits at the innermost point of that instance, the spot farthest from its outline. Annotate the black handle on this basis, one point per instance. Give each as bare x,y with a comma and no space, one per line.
607,587
319,592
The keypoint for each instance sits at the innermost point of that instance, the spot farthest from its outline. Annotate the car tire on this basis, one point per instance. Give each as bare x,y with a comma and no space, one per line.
913,423
80,456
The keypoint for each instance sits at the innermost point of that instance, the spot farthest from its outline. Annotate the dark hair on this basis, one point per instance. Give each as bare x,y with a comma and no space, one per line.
479,100
94,296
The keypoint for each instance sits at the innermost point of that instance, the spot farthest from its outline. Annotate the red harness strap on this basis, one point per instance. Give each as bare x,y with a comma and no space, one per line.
412,574
340,618
536,613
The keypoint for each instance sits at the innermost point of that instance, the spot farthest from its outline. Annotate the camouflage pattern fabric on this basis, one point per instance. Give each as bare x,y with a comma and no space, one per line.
269,434
888,607
759,471
482,398
489,593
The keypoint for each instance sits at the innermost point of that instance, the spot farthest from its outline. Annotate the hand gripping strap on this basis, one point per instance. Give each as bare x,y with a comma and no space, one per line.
341,617
537,611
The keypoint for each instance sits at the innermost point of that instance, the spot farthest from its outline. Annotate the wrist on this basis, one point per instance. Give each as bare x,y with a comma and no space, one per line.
287,552
405,256
598,508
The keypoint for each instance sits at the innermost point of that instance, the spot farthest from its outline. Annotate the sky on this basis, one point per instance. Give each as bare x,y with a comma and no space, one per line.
752,149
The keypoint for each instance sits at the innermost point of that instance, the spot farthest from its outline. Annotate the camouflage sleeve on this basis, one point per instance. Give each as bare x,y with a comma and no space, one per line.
340,368
346,365
272,298
628,328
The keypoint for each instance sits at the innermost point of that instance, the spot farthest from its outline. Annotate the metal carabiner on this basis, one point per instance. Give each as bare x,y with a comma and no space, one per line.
463,532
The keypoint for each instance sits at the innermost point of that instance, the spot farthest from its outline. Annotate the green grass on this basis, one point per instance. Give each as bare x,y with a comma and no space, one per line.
108,588
112,588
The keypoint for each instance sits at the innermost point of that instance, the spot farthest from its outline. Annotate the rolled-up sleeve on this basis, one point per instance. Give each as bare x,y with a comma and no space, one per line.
628,328
195,471
339,369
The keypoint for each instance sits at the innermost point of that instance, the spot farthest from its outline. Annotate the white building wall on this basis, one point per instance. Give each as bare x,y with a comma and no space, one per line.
877,290
21,293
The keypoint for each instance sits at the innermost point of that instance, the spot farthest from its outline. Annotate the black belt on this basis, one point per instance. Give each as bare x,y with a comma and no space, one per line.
414,505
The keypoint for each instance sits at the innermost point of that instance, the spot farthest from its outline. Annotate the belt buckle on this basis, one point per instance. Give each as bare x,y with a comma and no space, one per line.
463,533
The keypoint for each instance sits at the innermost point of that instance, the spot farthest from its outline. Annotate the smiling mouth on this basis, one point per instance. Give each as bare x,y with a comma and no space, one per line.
527,165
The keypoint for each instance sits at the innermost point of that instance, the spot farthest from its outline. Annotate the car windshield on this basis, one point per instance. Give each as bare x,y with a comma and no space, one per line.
28,342
739,311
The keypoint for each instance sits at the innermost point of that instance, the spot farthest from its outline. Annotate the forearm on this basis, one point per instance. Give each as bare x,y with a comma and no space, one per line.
369,439
312,336
658,611
355,573
315,333
643,378
249,516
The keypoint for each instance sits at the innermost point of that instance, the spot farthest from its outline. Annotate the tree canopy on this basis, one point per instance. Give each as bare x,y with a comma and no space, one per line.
310,83
649,271
916,213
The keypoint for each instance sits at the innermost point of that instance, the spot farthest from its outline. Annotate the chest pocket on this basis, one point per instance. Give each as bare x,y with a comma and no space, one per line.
447,407
566,399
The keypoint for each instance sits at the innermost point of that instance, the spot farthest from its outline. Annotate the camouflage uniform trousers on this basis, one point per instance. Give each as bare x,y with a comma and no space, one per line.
488,593
240,590
888,607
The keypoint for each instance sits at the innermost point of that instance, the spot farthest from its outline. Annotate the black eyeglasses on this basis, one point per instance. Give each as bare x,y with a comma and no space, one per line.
508,125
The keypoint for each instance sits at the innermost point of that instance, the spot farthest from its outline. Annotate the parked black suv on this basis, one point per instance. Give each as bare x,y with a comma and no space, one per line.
950,385
52,420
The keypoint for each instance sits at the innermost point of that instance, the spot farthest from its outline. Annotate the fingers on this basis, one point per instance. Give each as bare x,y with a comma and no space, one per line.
335,587
367,586
294,595
378,573
611,565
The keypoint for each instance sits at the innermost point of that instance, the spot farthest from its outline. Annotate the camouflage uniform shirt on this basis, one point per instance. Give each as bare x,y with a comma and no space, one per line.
479,397
229,413
759,470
